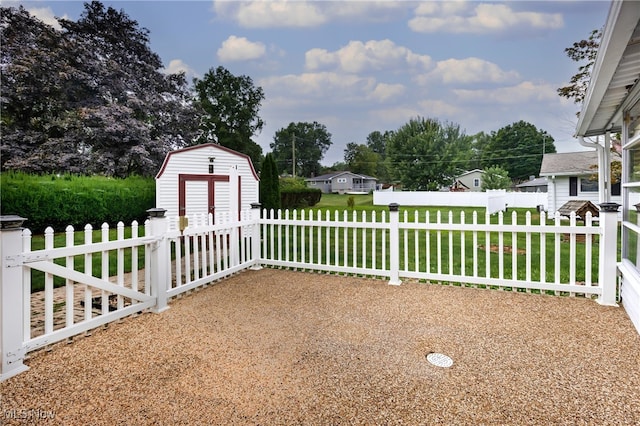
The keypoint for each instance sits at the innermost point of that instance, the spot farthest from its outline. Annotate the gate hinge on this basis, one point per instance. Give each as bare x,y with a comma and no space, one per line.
20,259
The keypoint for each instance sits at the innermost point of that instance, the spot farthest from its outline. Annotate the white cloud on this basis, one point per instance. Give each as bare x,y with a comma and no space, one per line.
357,57
526,91
240,49
384,92
462,17
438,108
45,14
319,85
268,14
302,13
176,66
469,70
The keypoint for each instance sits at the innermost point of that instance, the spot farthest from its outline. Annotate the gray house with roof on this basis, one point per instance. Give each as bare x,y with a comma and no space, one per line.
573,176
343,183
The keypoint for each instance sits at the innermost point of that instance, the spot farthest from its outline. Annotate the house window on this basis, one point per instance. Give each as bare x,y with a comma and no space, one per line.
615,188
313,182
342,180
573,186
588,185
476,182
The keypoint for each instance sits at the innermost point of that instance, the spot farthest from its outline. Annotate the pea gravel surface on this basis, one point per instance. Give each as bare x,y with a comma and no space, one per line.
274,347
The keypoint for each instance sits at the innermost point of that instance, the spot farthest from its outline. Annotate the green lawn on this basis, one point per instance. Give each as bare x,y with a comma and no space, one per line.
345,242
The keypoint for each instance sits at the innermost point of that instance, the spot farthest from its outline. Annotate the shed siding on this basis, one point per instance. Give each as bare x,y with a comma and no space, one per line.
196,161
196,197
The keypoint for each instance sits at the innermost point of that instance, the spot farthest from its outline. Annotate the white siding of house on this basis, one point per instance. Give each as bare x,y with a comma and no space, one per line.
468,180
558,194
196,161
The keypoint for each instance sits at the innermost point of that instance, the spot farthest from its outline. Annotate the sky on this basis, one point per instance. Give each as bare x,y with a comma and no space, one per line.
361,66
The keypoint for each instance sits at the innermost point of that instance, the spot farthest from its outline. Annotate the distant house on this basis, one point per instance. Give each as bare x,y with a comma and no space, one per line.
571,176
534,184
343,183
468,181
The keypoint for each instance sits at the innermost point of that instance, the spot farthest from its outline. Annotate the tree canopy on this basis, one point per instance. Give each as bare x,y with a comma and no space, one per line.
89,98
495,177
423,154
312,140
518,149
230,104
583,51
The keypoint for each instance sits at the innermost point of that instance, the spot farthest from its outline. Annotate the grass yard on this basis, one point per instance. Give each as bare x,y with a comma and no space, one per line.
351,245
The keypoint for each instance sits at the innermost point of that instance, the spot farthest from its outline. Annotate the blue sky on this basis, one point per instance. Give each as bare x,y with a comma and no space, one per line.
361,66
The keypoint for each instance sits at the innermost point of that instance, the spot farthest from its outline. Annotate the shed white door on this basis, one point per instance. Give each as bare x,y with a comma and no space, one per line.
205,193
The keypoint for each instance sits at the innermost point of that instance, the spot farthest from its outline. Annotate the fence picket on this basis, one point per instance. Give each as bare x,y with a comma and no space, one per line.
120,262
26,286
48,286
588,243
475,243
450,238
500,245
543,248
572,251
528,248
105,269
514,250
427,242
134,258
69,241
557,253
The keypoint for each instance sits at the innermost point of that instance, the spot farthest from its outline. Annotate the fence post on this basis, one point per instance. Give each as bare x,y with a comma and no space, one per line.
394,244
255,237
608,258
160,267
11,298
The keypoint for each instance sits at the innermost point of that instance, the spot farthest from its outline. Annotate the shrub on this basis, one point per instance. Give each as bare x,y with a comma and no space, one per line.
269,184
295,198
59,201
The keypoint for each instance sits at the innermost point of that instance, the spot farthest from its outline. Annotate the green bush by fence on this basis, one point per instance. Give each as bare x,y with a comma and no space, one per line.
294,198
61,200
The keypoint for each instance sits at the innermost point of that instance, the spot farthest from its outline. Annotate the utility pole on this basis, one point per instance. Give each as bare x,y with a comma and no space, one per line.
293,149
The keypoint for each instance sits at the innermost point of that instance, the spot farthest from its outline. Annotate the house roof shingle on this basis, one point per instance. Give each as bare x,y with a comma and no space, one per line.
571,163
329,176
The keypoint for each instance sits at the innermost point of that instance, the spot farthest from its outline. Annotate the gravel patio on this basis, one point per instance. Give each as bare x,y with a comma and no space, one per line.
282,347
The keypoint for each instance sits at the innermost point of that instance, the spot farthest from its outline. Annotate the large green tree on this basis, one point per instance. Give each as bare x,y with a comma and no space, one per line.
361,159
231,105
311,141
90,98
423,154
518,148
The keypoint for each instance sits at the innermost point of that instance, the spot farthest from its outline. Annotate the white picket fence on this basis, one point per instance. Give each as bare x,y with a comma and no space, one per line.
524,256
503,255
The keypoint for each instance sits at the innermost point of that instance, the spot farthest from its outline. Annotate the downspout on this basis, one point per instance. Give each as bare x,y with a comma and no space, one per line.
603,169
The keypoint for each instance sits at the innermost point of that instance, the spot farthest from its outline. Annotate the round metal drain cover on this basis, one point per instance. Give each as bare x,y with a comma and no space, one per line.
439,360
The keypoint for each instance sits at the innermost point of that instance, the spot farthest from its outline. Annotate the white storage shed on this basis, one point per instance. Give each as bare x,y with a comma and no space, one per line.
206,178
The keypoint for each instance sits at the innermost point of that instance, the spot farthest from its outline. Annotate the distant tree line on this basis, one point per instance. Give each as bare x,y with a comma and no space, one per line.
426,154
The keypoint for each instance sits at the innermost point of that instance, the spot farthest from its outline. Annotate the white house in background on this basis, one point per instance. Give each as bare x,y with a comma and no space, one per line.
612,105
570,177
343,183
468,181
534,184
205,179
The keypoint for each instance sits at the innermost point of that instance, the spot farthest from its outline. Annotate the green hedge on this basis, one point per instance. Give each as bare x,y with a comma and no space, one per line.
59,201
295,198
